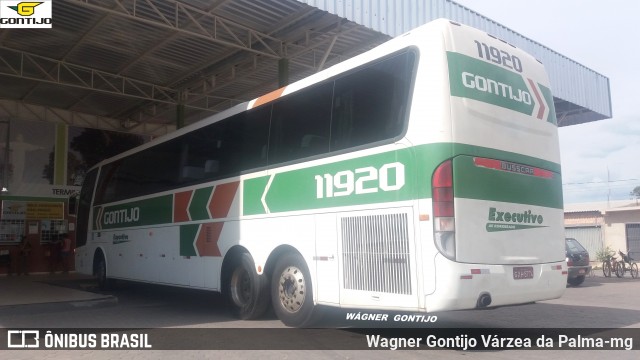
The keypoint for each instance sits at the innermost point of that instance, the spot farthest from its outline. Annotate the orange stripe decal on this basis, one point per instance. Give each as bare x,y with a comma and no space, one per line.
207,240
181,205
268,97
222,198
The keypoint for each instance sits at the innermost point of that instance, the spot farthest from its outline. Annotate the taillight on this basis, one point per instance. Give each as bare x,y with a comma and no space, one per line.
444,228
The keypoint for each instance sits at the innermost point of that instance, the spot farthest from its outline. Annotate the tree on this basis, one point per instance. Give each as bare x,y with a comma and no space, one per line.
93,145
635,192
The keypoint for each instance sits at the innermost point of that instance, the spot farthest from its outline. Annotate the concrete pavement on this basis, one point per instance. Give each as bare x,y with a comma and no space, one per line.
71,288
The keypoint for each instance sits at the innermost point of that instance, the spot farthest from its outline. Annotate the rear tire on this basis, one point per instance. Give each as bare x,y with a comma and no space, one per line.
576,281
246,290
101,274
291,291
634,270
606,269
619,270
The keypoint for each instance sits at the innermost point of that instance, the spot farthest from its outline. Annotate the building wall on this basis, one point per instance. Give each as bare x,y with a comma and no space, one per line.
586,227
610,221
42,165
615,229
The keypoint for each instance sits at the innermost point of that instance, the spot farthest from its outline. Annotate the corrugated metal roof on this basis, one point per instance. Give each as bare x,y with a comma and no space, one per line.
581,94
133,61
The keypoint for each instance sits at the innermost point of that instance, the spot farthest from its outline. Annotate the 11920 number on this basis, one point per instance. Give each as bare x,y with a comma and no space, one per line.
366,180
498,56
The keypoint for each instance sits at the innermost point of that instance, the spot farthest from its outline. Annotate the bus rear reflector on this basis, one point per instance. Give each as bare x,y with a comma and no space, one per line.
512,167
444,228
442,190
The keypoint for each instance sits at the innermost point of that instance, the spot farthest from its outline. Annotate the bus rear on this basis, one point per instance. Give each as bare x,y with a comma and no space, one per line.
497,200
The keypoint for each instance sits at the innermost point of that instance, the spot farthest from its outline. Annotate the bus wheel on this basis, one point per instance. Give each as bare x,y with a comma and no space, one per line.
291,292
101,273
248,292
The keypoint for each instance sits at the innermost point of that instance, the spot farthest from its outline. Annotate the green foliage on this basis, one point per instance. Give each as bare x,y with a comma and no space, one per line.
604,253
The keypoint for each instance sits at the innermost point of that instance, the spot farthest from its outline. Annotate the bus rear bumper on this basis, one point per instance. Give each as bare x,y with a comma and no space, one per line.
468,286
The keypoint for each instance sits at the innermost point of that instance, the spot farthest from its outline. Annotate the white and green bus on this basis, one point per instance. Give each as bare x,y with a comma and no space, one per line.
423,175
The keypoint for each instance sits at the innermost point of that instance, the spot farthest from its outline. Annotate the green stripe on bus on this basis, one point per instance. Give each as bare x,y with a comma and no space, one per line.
151,211
188,235
399,175
252,194
198,209
353,182
548,97
308,188
481,183
479,80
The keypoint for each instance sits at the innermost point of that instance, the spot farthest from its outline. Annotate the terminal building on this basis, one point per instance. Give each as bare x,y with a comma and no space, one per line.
108,76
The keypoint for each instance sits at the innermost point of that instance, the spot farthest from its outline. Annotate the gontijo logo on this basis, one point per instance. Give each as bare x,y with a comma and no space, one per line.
25,14
25,8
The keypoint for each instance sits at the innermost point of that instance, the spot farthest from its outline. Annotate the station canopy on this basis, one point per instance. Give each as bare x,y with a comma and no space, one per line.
127,64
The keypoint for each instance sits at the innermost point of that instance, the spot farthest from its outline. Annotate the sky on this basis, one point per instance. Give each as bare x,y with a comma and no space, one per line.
600,160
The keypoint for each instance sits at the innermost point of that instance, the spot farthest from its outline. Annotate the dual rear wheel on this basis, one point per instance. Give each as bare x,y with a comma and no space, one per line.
289,291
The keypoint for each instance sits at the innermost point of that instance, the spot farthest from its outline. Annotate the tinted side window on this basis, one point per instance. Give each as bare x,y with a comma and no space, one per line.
146,172
300,124
225,148
370,104
106,190
247,136
151,170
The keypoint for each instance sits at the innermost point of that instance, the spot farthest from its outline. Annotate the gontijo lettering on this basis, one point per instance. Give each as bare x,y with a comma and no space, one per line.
484,84
121,216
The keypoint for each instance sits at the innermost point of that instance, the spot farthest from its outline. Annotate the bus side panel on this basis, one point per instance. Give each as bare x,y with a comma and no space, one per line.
129,254
327,260
262,235
84,259
171,266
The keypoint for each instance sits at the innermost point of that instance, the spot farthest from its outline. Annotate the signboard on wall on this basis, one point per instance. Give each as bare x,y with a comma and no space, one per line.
32,210
14,210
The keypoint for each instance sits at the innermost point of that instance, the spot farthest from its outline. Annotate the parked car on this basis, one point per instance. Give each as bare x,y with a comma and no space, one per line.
577,261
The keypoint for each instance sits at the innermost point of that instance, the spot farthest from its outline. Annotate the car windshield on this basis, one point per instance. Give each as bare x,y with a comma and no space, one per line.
574,246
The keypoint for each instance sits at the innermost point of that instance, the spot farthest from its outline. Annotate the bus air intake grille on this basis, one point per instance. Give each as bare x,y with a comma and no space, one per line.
375,253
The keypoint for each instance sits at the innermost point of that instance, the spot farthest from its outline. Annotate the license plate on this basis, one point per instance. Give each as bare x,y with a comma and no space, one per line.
523,272
581,271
